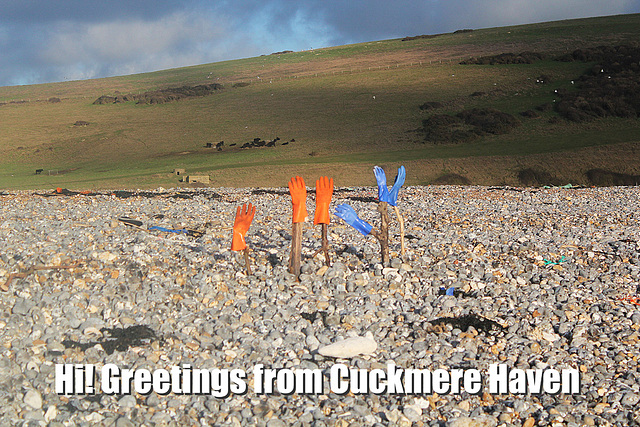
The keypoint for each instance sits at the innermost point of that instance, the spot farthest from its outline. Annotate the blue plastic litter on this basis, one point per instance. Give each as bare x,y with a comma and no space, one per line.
168,230
547,262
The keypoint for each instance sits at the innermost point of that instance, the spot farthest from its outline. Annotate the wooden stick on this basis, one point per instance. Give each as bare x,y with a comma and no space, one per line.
401,221
5,285
383,236
325,243
325,246
247,263
296,249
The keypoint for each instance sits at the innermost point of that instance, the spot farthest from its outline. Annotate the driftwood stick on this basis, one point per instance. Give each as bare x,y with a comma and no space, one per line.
247,262
383,235
325,245
5,285
401,221
296,249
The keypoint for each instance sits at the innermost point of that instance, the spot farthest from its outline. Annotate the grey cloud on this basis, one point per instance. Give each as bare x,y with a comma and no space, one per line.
46,11
128,39
43,40
496,13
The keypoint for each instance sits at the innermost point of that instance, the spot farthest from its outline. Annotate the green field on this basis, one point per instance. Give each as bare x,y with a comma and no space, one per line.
348,108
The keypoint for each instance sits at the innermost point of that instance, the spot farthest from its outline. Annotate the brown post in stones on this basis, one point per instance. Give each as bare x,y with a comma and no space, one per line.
296,249
383,233
401,221
325,245
247,263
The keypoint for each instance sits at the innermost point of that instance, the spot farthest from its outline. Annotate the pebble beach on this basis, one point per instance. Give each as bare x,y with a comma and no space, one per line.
554,272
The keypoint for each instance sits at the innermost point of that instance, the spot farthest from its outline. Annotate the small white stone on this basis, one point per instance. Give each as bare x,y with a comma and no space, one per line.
349,348
33,399
51,413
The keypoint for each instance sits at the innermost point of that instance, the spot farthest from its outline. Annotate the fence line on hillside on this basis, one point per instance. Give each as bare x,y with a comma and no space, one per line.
304,75
311,74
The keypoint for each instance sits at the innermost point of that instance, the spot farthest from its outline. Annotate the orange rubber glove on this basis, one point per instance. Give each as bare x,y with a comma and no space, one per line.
298,198
324,190
244,216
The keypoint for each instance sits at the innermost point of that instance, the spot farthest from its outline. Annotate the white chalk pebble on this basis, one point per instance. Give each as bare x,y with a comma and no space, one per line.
350,347
33,399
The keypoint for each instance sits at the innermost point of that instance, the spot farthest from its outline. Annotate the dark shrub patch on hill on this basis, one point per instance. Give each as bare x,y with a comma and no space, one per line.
466,125
598,54
446,129
432,105
489,120
531,177
506,58
545,107
163,95
530,114
422,36
605,178
433,36
610,89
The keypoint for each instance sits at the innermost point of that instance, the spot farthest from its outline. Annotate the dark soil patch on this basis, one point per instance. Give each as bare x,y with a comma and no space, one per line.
605,178
532,177
452,179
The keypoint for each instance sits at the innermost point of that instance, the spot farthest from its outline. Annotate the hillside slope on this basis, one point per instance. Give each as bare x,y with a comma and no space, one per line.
339,111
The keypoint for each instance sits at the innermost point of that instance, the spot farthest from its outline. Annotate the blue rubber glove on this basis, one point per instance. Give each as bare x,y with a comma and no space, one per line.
383,191
393,193
349,215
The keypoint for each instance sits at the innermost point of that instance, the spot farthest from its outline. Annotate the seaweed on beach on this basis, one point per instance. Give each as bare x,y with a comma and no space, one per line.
464,322
259,191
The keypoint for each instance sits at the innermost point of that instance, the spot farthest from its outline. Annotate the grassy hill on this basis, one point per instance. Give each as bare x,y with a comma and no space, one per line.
346,109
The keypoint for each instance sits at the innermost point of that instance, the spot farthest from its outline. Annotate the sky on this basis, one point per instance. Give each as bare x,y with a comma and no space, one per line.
59,40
